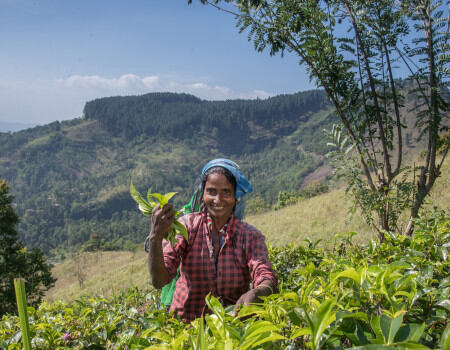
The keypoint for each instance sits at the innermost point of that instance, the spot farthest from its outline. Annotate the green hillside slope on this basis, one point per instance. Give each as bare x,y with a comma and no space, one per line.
320,217
70,179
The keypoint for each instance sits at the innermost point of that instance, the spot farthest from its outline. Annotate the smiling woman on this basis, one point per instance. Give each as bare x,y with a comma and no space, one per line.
219,195
222,255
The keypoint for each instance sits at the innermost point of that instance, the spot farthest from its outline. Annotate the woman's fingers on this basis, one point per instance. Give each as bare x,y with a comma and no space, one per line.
245,300
168,210
162,213
167,213
162,218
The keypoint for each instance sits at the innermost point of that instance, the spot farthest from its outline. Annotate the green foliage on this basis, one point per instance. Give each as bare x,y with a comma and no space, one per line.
397,196
256,205
288,198
17,262
154,199
356,51
181,116
21,298
95,243
390,295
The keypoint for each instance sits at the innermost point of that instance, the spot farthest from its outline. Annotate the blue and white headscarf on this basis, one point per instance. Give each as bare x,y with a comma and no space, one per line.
243,186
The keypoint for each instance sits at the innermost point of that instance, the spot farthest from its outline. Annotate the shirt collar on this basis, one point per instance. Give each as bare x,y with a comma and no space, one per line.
227,229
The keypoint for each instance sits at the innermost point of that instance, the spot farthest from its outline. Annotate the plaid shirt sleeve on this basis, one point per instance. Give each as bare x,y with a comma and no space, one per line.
258,257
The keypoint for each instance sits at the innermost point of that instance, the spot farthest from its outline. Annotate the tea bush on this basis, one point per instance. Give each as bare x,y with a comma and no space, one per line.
393,295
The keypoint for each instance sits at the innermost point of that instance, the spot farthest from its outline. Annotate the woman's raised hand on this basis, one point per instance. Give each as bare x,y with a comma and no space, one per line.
162,219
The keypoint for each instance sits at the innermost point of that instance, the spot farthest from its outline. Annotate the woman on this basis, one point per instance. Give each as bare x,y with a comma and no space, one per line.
223,253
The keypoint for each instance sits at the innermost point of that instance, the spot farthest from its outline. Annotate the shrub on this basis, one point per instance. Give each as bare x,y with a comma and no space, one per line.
393,295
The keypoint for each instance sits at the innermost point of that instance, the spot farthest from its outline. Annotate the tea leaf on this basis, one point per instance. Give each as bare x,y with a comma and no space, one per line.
410,332
146,208
138,198
390,326
445,340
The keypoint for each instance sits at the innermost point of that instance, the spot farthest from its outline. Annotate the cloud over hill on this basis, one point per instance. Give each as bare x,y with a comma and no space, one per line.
63,98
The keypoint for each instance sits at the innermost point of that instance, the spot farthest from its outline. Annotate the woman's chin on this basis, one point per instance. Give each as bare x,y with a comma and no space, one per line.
220,213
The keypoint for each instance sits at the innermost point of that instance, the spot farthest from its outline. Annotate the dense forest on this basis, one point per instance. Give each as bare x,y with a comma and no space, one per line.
70,179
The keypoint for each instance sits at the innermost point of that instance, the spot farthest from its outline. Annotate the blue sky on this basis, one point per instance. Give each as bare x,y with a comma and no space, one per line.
57,54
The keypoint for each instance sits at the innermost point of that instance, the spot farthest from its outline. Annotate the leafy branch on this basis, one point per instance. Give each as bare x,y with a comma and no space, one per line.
153,199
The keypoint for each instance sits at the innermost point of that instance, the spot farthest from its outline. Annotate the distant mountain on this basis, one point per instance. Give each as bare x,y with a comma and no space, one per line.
70,179
13,127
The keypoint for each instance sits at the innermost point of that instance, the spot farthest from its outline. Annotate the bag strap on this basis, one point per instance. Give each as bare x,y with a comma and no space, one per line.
192,237
194,204
243,250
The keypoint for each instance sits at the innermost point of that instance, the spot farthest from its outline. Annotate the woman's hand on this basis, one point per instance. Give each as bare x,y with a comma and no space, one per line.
252,296
162,219
245,299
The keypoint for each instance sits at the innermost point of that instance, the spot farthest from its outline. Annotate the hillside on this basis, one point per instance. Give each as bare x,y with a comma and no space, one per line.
106,273
321,217
70,179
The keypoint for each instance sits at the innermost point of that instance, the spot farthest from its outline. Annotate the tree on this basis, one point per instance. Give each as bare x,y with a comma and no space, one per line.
79,269
94,244
359,69
16,261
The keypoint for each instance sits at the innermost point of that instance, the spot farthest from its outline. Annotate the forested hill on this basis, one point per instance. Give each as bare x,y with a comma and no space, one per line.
234,127
70,179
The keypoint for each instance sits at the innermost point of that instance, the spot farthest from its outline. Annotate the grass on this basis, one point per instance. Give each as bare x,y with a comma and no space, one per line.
316,218
106,273
326,215
440,194
109,272
320,217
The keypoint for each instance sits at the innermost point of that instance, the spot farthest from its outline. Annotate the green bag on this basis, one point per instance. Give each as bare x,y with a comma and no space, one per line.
169,289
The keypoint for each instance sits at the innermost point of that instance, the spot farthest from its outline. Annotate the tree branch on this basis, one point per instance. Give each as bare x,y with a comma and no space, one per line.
365,105
339,111
421,89
397,111
221,8
374,94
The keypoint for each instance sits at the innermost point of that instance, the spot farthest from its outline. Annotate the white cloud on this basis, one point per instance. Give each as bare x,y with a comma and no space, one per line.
150,82
134,84
127,82
41,102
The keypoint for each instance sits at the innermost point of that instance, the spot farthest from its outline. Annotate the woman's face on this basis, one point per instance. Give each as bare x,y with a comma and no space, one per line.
218,196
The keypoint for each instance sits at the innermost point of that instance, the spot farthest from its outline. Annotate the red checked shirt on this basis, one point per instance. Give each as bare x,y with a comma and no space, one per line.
242,258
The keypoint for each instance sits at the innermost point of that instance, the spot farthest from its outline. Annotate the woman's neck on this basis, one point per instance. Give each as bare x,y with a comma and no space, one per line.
218,223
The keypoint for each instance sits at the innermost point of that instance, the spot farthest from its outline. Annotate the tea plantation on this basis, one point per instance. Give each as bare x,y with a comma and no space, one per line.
390,295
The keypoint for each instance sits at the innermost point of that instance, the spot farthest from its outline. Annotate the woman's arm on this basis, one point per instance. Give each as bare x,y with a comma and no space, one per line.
264,281
162,219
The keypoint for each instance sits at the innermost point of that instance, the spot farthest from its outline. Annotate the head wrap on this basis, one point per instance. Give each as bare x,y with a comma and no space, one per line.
242,184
